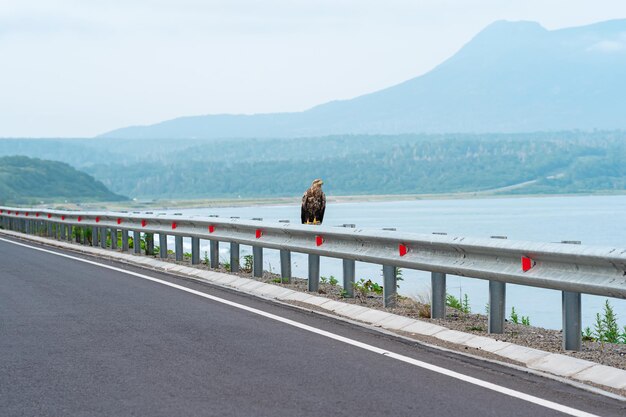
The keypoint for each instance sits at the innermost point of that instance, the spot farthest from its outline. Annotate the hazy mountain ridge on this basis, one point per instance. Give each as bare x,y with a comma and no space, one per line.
511,77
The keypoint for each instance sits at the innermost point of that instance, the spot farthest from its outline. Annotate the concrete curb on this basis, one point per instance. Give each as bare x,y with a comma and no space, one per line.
552,363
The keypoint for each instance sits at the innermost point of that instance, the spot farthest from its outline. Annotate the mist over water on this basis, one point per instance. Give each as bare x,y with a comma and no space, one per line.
593,220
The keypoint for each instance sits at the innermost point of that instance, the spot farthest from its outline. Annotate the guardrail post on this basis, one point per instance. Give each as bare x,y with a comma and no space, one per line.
94,236
438,296
149,244
113,238
63,232
234,257
348,277
195,250
257,261
497,306
178,247
103,237
389,285
125,240
314,273
69,233
162,245
214,248
27,226
86,236
137,242
572,336
285,265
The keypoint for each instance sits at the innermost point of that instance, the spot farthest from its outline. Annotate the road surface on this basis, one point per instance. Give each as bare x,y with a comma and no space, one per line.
80,339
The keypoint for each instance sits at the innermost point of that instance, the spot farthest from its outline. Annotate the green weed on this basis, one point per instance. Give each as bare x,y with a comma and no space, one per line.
455,303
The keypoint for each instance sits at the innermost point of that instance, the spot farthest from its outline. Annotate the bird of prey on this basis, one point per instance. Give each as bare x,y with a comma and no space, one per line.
313,204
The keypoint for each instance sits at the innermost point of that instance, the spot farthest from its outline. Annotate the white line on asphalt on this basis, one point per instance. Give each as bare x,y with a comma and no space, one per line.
466,378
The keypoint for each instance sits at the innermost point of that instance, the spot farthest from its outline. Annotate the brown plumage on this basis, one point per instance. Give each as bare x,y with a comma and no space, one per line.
313,204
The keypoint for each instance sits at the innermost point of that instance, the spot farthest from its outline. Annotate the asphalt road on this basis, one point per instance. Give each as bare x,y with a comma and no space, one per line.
80,340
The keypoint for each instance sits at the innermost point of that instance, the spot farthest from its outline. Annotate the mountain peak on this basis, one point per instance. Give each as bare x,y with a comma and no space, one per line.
513,26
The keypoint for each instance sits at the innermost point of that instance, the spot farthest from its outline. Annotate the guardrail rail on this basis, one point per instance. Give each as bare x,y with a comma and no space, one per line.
571,269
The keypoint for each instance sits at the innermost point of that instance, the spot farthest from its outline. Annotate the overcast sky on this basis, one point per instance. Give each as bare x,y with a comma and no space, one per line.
77,68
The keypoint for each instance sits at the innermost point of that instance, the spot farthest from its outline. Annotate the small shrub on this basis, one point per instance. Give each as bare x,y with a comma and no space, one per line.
375,287
587,335
363,288
323,280
465,307
398,277
247,263
526,320
423,310
514,316
457,304
360,291
226,266
207,261
332,280
606,328
453,302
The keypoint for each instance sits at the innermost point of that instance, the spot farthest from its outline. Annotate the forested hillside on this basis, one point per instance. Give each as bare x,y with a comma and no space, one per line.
563,162
28,181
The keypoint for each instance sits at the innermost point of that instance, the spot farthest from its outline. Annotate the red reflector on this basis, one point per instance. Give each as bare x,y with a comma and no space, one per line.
26,214
97,219
62,217
259,233
527,263
1,211
319,240
174,225
79,218
211,229
119,221
37,215
144,223
49,215
17,213
403,249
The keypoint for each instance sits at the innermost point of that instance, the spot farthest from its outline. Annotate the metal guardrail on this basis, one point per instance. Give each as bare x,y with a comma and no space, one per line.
572,269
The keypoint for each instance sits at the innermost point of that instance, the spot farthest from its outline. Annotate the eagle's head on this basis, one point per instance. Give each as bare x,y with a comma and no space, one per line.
317,183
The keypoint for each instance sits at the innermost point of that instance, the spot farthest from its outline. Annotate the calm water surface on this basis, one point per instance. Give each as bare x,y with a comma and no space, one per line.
594,220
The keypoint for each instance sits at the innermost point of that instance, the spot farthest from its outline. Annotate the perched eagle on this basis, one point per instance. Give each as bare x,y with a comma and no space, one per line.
313,204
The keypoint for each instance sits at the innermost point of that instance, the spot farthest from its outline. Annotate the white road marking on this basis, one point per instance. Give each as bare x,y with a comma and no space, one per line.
479,382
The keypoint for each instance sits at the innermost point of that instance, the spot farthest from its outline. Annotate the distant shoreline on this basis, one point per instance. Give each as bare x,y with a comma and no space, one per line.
288,201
